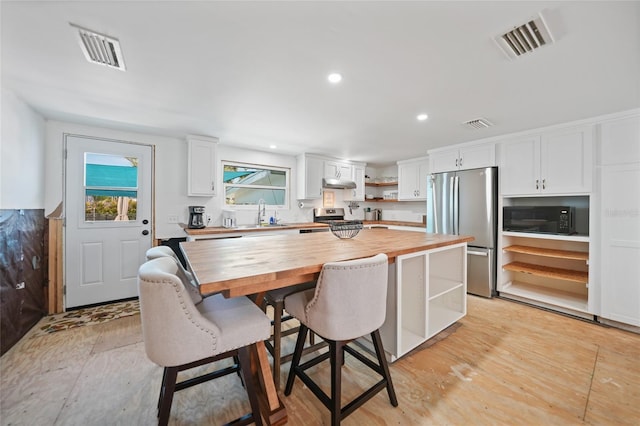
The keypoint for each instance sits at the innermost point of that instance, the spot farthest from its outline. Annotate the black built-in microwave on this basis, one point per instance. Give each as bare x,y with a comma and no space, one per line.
540,219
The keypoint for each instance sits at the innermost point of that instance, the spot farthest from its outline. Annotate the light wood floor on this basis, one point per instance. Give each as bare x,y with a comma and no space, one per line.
504,363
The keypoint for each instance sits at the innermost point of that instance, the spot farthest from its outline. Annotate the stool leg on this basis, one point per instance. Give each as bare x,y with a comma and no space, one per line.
382,360
337,360
168,388
297,354
277,340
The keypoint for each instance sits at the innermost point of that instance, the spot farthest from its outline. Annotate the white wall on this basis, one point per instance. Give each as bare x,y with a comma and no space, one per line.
22,159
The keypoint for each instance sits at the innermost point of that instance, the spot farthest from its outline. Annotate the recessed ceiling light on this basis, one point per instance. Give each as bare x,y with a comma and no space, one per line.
272,146
334,78
422,117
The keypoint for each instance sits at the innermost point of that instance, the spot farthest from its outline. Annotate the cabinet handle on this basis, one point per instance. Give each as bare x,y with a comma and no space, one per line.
460,162
544,184
213,188
537,184
456,162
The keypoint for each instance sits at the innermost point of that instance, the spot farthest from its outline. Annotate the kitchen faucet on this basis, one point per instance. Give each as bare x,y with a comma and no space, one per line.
262,205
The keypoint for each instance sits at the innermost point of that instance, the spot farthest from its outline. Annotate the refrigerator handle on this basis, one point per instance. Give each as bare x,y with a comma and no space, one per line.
452,206
432,182
456,198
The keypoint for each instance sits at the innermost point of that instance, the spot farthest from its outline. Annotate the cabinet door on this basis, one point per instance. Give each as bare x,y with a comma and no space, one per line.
566,161
357,194
620,141
407,181
201,166
475,157
336,170
445,161
423,173
520,166
620,243
310,173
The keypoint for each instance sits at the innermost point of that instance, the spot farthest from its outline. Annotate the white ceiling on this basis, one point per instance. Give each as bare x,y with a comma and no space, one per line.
254,73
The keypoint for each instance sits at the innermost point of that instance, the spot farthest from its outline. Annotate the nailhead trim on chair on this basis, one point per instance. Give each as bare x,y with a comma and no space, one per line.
178,291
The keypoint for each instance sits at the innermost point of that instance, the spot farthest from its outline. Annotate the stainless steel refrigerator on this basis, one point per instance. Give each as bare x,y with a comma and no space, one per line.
466,203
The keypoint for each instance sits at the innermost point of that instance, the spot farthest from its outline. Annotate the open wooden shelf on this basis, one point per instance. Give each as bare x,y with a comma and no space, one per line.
381,184
549,272
382,200
556,297
539,251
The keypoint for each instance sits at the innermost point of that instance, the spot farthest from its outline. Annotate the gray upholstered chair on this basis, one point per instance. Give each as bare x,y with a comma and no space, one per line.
349,302
164,251
275,298
180,335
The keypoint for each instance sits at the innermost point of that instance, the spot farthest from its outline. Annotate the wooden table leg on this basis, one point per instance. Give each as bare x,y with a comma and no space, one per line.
273,410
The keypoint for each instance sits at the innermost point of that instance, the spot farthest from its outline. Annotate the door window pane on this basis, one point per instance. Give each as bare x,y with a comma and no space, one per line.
111,187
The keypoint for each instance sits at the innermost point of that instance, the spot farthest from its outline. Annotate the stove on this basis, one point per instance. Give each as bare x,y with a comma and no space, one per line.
326,215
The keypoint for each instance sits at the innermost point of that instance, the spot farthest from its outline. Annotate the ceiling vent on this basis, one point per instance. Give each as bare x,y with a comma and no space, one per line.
478,123
525,38
100,49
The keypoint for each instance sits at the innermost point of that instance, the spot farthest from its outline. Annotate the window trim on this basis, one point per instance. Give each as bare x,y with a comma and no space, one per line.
286,188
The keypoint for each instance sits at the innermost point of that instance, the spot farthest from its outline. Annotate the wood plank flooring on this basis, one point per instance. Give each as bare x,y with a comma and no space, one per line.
504,363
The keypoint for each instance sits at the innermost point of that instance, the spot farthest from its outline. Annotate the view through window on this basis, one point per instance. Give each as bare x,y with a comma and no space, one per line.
111,187
247,184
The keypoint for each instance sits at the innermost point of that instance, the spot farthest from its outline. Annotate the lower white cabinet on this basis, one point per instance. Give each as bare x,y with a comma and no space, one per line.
427,293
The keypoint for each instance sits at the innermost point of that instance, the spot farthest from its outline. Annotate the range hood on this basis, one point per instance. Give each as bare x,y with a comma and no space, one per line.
338,183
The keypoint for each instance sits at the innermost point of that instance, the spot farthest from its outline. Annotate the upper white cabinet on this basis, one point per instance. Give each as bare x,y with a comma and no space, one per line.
558,162
463,158
202,156
357,175
337,170
618,193
309,177
412,179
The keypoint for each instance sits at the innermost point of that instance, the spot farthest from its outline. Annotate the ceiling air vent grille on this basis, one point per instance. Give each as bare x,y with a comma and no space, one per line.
525,38
100,49
478,123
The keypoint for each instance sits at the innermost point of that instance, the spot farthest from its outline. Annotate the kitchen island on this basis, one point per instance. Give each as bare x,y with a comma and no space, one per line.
426,293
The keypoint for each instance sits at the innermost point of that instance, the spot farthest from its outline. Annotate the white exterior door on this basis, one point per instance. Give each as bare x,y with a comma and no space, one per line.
108,218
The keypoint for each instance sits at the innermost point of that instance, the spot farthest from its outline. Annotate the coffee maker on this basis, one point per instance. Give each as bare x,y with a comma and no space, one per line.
196,217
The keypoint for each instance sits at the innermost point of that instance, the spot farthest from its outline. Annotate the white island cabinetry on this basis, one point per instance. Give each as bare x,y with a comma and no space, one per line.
427,293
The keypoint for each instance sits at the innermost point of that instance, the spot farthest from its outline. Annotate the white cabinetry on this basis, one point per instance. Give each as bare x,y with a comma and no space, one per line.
558,162
463,158
618,190
337,170
412,179
547,270
201,157
427,294
309,177
357,175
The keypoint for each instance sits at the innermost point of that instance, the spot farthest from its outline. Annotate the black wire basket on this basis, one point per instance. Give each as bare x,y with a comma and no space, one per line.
345,228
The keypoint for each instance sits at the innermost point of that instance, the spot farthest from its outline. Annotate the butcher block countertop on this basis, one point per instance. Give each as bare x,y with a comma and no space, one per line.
243,266
219,230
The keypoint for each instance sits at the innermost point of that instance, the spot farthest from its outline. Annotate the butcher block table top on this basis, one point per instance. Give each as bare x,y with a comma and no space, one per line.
244,266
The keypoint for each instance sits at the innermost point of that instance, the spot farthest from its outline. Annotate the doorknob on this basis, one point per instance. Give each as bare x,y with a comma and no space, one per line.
145,232
144,222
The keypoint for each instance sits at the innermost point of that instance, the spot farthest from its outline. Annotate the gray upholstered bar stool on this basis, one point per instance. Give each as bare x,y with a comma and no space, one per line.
179,335
349,302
